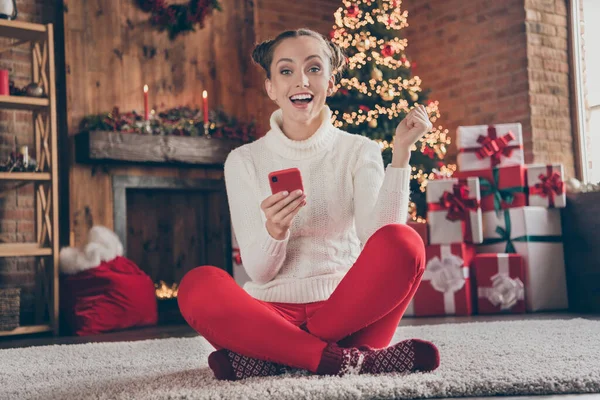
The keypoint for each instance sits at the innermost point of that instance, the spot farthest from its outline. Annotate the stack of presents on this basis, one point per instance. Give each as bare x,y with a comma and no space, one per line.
493,231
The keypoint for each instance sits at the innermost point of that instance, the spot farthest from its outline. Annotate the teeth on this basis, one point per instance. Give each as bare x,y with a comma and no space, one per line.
301,97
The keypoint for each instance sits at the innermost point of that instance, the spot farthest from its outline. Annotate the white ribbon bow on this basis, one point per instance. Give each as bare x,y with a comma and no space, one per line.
505,291
446,275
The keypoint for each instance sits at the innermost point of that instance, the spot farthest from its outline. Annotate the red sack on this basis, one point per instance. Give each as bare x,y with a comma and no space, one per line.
115,295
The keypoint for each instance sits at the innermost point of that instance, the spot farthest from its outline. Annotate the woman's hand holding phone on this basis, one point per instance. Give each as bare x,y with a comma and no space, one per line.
280,209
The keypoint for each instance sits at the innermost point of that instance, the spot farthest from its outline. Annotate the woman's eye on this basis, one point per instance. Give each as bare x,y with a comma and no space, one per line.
285,71
315,69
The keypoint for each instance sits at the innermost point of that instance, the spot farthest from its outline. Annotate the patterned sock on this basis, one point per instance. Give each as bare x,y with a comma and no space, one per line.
231,366
407,356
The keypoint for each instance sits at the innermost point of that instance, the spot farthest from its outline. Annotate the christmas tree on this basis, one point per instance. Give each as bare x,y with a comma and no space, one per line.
377,90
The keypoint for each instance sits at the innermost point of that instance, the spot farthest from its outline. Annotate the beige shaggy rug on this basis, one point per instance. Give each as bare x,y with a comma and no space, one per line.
477,359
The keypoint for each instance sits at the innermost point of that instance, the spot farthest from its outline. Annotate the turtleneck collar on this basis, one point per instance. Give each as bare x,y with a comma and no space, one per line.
300,149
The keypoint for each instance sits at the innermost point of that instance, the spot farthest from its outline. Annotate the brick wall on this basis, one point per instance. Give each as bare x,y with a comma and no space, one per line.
550,96
478,81
586,105
16,200
494,62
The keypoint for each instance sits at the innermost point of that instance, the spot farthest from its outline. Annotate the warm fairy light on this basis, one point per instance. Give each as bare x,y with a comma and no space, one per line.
360,29
164,291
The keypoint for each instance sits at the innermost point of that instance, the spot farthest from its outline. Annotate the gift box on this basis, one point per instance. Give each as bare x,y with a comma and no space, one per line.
500,188
545,186
454,211
422,230
499,281
489,146
535,234
445,287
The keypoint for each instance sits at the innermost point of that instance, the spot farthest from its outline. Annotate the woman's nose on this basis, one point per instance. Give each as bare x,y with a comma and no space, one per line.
303,80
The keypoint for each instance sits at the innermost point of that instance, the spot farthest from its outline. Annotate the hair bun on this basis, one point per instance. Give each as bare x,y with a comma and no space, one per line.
260,53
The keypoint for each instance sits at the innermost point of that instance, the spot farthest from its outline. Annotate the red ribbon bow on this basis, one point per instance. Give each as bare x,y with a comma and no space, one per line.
495,147
458,203
549,185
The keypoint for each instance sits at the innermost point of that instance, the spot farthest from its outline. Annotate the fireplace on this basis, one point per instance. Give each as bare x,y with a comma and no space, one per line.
169,226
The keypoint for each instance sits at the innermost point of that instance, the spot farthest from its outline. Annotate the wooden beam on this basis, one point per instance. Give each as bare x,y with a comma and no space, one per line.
133,147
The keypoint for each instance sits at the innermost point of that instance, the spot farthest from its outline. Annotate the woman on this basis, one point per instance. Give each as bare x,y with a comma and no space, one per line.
332,269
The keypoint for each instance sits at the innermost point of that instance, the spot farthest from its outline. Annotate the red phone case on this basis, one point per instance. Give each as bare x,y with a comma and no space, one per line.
286,179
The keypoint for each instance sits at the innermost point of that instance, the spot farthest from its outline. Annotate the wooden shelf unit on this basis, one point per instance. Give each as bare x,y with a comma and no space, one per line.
25,176
46,248
22,330
23,103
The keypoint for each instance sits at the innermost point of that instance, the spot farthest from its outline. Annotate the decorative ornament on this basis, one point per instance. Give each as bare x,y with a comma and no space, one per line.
352,10
34,90
573,185
403,59
414,96
428,151
412,210
361,45
387,51
178,19
8,9
440,151
19,160
373,123
387,94
376,74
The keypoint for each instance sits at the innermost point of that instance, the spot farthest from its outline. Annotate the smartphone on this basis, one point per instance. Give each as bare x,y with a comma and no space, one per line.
286,179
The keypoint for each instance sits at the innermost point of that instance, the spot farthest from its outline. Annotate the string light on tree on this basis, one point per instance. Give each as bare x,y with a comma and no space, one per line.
379,89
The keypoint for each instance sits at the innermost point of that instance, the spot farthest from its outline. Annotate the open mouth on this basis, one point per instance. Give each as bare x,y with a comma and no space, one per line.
301,99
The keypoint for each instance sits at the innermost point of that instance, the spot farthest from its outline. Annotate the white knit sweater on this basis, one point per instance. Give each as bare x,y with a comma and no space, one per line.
349,197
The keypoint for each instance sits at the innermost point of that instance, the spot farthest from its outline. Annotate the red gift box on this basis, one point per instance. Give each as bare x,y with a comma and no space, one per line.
501,188
500,282
421,229
445,287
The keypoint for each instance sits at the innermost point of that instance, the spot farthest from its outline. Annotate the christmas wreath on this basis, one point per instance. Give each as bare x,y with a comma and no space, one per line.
178,18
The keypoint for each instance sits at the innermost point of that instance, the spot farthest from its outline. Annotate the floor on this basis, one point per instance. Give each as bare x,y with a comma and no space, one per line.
168,331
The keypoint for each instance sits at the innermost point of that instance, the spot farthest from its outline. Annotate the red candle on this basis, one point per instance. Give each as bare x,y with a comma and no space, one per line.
4,85
205,104
146,110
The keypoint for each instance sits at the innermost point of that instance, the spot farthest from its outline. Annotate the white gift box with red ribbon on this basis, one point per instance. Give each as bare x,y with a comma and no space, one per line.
545,185
445,287
454,211
489,146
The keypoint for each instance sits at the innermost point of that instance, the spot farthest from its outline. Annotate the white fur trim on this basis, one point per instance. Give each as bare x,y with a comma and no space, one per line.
102,245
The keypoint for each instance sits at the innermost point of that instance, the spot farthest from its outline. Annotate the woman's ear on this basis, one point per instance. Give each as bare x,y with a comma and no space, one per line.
331,86
270,91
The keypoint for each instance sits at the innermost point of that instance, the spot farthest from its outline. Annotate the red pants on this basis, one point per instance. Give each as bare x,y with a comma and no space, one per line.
365,308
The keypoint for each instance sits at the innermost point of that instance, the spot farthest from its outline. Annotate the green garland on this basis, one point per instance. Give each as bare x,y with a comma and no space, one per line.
179,121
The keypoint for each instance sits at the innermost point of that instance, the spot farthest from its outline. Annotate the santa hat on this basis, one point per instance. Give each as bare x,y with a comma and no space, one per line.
102,245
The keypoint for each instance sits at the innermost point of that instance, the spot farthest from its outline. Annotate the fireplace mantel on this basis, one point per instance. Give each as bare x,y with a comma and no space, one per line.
116,147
